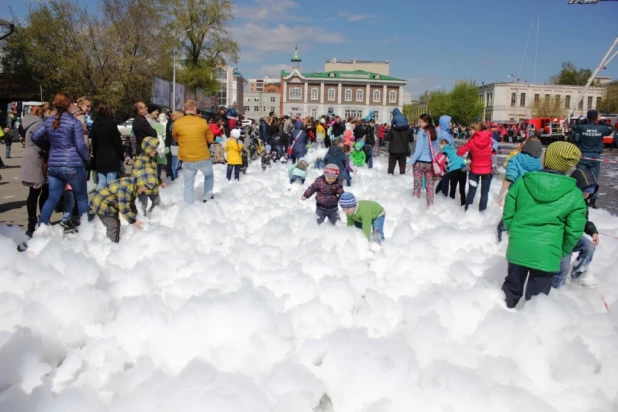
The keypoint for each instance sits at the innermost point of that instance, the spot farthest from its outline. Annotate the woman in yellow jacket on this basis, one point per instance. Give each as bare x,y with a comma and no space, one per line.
233,148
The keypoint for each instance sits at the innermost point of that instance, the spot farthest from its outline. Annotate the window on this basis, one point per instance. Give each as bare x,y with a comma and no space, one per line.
376,115
537,97
272,109
248,99
513,98
331,94
522,100
392,97
295,93
567,102
314,112
491,99
314,94
486,100
353,113
246,108
348,95
221,73
581,104
589,102
256,108
359,95
376,96
547,97
272,99
599,99
558,100
255,99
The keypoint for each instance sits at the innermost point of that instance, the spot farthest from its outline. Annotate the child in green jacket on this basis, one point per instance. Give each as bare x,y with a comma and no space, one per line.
365,214
358,156
545,216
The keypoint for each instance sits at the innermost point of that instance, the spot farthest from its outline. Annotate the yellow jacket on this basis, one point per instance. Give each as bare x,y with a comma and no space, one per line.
320,130
234,152
193,136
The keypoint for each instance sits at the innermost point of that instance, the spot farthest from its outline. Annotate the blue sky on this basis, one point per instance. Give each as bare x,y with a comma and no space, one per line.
428,43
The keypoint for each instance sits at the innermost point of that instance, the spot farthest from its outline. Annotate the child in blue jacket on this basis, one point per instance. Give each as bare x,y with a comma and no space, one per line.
456,175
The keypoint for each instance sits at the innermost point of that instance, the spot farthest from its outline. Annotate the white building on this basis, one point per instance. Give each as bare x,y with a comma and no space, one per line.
350,93
257,85
506,102
231,87
260,104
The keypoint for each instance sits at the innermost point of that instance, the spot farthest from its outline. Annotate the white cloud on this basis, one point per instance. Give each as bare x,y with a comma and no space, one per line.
274,70
263,10
350,17
282,38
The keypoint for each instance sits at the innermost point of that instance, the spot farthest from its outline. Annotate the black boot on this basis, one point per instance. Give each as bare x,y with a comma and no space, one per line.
593,204
32,221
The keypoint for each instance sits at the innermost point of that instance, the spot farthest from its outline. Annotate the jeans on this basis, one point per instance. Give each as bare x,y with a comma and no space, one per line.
190,170
473,182
295,178
513,287
585,249
174,168
8,143
57,178
377,225
369,156
68,203
236,169
592,166
106,178
443,184
319,164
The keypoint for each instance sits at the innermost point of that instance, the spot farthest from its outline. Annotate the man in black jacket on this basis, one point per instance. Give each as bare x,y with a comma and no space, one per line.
399,139
360,131
141,126
338,127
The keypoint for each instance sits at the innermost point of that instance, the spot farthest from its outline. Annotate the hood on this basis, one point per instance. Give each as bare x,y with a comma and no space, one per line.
445,123
528,162
298,125
335,150
547,187
29,120
149,144
399,119
585,178
482,140
369,116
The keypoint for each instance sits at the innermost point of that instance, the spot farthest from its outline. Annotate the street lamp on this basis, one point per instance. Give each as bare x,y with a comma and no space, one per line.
174,71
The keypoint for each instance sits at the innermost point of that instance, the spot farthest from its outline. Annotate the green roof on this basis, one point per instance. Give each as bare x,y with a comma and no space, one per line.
356,74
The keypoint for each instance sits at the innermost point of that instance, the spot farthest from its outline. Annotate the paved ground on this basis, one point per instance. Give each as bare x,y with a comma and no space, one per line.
13,194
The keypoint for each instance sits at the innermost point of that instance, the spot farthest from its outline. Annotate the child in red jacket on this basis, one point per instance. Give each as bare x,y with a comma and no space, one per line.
480,148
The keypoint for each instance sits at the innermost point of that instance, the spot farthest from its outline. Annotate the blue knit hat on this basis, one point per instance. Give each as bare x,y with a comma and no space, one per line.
268,148
347,201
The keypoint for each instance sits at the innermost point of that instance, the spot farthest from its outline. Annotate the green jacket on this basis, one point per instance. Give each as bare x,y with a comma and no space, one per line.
545,215
366,212
358,157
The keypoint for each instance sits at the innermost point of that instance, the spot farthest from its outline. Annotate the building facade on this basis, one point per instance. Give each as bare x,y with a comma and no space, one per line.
334,64
260,104
231,87
508,102
258,85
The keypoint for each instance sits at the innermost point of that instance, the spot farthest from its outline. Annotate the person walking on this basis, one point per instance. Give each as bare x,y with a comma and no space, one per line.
106,145
480,147
141,126
399,137
194,136
424,154
63,137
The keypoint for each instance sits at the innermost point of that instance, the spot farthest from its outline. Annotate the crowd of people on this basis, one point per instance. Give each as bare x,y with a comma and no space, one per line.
545,194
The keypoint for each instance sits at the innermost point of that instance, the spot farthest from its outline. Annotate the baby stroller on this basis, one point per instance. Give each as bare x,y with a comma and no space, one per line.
245,162
257,148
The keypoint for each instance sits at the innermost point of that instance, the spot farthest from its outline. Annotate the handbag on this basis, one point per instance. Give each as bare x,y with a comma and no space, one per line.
437,163
294,142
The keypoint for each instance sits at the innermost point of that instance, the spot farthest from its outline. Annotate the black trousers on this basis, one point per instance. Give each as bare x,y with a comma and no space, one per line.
458,177
513,287
323,213
394,158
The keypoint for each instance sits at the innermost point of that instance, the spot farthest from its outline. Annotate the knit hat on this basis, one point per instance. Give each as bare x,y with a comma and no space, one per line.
235,133
562,156
592,114
347,201
322,120
533,147
268,148
331,170
358,146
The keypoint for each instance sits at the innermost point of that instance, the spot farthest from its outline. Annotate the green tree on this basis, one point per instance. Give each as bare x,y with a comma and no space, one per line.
465,105
610,103
570,75
439,103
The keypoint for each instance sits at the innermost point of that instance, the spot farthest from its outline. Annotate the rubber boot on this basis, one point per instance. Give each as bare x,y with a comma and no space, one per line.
32,221
593,204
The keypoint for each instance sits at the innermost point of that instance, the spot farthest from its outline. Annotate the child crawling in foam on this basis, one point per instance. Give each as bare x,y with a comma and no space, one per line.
364,214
